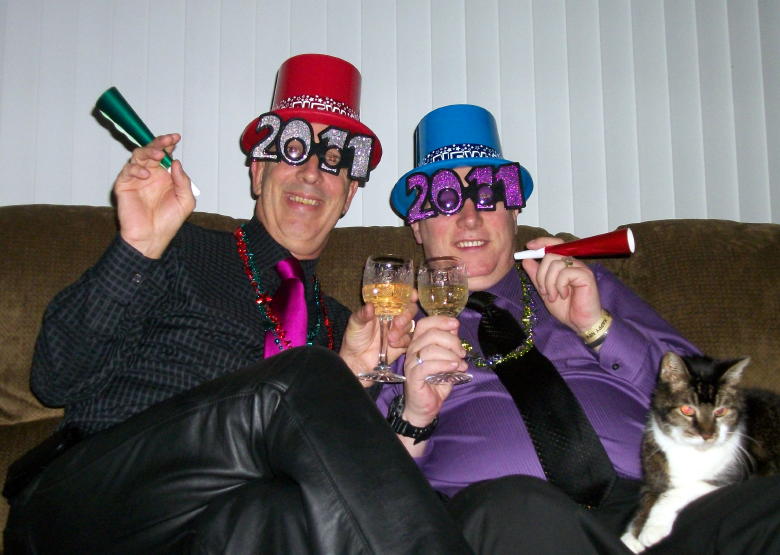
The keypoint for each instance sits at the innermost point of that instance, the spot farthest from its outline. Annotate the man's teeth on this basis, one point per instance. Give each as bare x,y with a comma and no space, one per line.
301,200
467,244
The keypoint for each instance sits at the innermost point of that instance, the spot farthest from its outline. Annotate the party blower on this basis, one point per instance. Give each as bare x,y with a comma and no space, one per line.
113,106
614,243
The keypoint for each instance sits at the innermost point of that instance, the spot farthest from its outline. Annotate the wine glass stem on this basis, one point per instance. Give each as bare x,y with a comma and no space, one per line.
384,326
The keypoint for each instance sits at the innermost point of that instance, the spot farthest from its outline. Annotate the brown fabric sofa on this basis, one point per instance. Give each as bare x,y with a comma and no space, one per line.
717,281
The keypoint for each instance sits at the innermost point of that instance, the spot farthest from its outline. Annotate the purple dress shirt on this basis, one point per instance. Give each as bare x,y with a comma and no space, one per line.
481,434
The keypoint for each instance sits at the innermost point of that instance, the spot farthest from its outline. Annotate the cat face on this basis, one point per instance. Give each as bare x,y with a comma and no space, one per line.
697,401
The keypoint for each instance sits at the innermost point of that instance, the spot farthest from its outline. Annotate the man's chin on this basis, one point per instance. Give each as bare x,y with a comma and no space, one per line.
304,242
481,278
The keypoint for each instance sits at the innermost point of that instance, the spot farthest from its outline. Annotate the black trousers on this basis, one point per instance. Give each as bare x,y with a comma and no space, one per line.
522,514
287,456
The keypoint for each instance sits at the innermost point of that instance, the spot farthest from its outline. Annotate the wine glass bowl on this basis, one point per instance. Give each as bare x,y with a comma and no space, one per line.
388,281
442,286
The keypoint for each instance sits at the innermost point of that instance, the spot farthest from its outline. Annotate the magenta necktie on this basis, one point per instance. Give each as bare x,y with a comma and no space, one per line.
289,304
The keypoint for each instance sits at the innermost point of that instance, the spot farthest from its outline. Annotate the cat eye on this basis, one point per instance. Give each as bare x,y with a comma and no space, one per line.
687,410
720,411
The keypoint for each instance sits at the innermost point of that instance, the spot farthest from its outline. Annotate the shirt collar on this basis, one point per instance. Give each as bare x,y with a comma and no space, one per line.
268,252
508,289
508,292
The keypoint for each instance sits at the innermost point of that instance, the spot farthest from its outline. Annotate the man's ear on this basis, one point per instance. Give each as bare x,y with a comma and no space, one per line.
353,187
258,169
416,231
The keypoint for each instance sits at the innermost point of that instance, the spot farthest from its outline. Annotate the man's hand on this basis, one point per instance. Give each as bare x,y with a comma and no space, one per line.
435,348
360,346
569,290
152,204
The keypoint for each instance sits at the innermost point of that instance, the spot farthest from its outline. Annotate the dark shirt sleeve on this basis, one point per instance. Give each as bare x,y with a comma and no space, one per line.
90,320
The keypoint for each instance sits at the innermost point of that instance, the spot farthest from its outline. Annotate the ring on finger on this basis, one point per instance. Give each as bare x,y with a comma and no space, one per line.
568,261
414,325
419,360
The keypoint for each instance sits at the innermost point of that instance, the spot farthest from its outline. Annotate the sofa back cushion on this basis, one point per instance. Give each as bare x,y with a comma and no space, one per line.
716,281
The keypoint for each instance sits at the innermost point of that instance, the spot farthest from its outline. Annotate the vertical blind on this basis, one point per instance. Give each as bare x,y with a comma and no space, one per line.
623,111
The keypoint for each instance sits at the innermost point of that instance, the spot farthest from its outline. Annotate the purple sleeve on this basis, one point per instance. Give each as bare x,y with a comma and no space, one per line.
637,339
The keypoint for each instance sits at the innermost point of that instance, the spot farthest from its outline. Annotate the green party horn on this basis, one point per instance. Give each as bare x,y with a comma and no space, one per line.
113,106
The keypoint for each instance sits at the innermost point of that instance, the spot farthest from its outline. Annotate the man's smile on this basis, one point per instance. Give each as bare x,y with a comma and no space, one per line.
303,200
470,243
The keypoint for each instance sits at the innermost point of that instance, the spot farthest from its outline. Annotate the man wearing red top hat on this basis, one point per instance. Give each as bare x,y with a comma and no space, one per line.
192,422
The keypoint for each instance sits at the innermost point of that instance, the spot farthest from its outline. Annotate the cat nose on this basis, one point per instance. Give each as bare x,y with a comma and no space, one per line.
707,436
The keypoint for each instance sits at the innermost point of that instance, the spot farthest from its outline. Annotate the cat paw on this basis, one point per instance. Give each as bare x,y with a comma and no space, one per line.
632,542
653,533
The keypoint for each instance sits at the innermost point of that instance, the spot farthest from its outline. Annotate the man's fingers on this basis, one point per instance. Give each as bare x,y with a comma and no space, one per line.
181,181
434,353
134,171
165,141
445,323
155,151
539,242
437,343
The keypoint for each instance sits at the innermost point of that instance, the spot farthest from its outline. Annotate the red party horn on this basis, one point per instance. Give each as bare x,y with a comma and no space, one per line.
614,243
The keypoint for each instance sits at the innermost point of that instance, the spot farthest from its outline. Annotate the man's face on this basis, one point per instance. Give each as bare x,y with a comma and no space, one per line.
300,205
483,239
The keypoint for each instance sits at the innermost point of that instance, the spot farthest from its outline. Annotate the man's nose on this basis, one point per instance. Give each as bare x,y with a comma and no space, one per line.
469,215
309,171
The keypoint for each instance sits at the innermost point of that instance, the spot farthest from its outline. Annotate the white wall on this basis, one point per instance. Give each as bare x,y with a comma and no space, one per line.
622,110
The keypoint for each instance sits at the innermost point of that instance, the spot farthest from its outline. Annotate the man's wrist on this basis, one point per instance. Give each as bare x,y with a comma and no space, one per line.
403,427
595,335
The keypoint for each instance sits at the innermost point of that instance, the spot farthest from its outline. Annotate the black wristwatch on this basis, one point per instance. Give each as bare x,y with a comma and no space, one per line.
404,428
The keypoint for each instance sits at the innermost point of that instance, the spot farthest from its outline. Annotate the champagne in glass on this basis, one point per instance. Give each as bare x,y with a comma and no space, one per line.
447,299
389,299
442,284
388,281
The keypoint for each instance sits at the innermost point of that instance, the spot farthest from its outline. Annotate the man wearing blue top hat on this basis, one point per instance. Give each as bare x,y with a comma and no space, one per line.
539,451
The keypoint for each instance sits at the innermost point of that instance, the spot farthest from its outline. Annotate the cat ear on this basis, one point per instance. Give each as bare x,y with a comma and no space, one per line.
734,373
673,368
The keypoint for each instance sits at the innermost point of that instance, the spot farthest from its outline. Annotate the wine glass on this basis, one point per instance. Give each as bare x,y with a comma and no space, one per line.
442,285
388,281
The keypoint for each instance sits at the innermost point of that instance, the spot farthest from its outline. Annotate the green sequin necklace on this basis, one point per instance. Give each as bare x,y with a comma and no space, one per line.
527,322
263,300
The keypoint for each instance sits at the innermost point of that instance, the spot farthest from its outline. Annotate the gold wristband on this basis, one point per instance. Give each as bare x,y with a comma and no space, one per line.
598,341
597,330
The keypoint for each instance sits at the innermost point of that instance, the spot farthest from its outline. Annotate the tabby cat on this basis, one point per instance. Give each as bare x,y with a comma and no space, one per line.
704,431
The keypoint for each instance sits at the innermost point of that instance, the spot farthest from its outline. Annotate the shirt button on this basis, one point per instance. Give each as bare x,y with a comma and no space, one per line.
137,278
616,366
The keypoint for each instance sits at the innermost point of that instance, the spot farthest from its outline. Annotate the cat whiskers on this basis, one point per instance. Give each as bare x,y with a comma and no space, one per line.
745,457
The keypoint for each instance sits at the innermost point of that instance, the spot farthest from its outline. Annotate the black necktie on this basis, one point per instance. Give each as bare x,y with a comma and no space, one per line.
498,332
568,447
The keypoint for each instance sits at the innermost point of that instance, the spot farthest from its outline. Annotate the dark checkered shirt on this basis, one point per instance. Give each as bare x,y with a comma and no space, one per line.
134,331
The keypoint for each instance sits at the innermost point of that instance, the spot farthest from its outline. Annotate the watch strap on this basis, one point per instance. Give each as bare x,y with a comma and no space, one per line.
403,427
